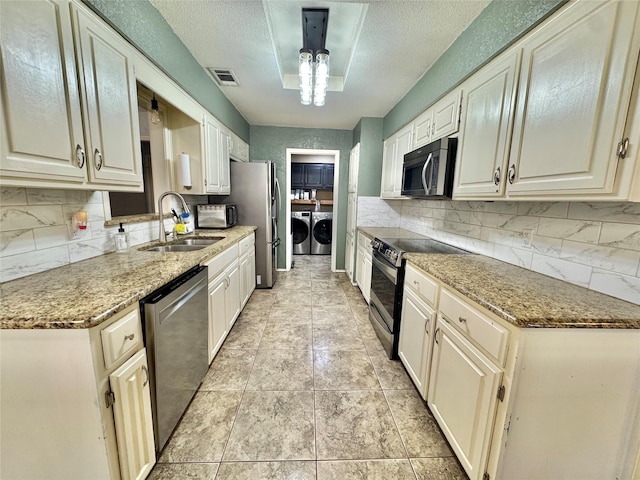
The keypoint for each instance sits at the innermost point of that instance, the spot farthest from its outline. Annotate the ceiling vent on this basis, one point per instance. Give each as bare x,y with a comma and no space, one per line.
224,76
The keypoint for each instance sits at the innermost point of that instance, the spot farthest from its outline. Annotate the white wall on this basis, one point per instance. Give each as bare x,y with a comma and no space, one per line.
594,245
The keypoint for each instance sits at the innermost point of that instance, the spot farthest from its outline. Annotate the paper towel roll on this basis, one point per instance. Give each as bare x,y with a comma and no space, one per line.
184,170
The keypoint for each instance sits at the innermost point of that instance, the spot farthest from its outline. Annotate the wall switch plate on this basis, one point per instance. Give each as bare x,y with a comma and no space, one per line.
527,237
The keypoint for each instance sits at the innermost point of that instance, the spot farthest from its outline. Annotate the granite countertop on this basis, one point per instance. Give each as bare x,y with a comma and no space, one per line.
526,298
389,232
86,293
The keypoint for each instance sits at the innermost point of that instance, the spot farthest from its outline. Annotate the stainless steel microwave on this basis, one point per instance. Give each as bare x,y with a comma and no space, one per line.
222,215
428,171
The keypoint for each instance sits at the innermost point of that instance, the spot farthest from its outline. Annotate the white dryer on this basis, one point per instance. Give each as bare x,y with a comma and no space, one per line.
321,233
301,229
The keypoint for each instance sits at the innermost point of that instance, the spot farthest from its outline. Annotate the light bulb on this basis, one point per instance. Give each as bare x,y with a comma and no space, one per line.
155,112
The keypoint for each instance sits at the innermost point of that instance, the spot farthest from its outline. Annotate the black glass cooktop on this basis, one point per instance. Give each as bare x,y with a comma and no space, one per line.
421,245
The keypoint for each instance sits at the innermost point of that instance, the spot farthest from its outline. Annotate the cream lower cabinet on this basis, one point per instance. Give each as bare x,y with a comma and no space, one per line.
85,111
507,397
462,396
224,296
350,256
247,265
79,399
364,265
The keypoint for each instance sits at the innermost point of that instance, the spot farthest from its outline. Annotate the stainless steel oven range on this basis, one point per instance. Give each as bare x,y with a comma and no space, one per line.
387,277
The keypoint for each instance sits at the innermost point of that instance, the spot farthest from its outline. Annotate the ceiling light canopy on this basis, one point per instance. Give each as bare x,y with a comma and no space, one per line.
313,61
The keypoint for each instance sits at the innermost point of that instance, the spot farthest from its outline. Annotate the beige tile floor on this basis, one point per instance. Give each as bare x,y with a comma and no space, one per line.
302,389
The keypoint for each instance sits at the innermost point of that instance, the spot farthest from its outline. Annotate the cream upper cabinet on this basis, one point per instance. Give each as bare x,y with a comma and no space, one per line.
439,121
573,96
354,161
395,148
58,132
110,103
217,142
238,149
42,135
485,129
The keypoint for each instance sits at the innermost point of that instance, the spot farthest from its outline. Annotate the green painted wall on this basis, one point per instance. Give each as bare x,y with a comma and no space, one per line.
140,23
368,132
499,25
271,143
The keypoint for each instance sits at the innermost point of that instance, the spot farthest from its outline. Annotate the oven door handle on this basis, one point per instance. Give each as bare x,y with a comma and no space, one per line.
389,272
425,184
378,316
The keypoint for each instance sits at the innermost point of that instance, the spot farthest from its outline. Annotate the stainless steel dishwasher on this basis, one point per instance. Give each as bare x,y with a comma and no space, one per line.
176,334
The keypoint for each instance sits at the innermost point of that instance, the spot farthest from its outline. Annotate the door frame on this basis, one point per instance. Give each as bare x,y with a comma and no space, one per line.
336,183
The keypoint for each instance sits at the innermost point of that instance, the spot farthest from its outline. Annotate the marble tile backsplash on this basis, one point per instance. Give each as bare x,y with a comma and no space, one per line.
595,245
375,212
34,235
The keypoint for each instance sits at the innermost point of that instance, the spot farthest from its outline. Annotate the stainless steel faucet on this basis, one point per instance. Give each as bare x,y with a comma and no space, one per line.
185,208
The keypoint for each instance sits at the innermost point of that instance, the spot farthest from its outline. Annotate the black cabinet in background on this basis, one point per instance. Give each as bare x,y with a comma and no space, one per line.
312,175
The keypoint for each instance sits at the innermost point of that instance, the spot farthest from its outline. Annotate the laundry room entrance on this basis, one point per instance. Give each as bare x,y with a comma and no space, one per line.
311,203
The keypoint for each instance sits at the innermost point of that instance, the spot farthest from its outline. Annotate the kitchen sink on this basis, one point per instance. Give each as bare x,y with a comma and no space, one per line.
175,248
199,241
186,245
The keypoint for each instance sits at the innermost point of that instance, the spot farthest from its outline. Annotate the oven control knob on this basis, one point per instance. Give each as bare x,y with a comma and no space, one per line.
393,255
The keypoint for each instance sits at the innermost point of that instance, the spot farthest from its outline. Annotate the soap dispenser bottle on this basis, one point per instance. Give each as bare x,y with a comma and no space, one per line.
121,240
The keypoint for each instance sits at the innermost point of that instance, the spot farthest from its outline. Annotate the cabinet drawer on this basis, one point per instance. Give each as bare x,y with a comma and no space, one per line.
479,328
220,261
121,338
364,242
424,286
247,244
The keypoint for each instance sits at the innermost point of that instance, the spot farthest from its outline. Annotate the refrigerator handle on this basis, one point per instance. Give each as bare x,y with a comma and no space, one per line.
278,201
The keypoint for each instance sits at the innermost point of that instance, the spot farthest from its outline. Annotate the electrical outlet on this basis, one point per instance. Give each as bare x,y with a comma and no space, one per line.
527,237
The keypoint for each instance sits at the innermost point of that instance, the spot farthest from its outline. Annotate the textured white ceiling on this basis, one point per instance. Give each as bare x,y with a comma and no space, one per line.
398,43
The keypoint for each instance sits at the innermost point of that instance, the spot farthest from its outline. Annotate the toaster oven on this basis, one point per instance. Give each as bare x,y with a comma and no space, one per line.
222,215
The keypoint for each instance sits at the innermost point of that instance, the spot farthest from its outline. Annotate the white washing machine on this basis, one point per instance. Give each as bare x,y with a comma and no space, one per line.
321,233
301,230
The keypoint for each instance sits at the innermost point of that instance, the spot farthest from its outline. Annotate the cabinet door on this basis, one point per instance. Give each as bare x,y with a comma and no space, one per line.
132,414
359,268
110,107
223,162
366,278
245,279
42,134
414,344
327,176
352,213
446,115
349,256
403,146
573,96
313,175
218,326
422,129
485,129
297,175
462,396
212,147
232,299
388,159
354,163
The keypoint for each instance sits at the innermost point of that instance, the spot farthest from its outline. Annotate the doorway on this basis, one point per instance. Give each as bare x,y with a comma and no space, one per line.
323,199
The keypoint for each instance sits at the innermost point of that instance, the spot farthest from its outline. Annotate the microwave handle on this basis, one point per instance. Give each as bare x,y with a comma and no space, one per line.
425,184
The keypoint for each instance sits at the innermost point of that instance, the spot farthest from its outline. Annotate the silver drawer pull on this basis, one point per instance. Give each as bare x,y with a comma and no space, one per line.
146,372
415,282
462,319
129,337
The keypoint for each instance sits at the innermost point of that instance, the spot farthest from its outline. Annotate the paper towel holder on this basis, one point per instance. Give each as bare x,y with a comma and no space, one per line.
184,171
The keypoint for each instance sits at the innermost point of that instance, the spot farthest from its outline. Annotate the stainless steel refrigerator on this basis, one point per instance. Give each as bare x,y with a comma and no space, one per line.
256,192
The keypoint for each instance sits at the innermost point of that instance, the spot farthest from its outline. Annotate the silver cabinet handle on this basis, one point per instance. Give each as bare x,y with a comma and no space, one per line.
146,372
512,173
426,327
97,157
435,336
496,176
79,156
415,282
129,337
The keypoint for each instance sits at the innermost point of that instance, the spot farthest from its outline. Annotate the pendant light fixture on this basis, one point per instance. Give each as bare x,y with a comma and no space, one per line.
313,61
155,112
